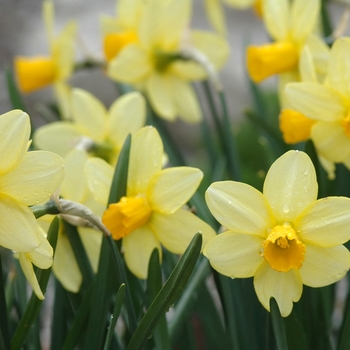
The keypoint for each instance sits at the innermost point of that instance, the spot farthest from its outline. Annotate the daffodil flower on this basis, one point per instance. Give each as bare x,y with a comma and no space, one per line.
290,24
27,178
283,237
155,64
328,106
151,213
37,72
93,128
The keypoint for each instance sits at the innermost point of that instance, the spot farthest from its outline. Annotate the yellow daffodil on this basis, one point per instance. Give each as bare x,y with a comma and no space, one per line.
283,237
93,128
289,24
155,62
328,105
37,72
27,178
151,214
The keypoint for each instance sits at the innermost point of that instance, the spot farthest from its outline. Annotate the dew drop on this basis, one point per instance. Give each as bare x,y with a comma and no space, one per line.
286,208
306,171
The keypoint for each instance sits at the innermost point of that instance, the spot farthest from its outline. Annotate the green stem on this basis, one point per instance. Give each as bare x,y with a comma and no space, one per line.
4,329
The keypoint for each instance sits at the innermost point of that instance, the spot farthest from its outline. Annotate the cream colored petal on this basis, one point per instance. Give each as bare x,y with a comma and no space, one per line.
316,101
126,115
171,188
145,160
324,266
65,266
276,14
128,12
18,227
303,18
285,287
28,271
99,175
239,207
58,137
43,255
131,65
331,141
74,187
241,4
92,240
138,247
215,14
185,101
290,185
326,222
14,131
307,67
48,13
63,96
284,79
35,179
89,113
328,166
339,66
175,231
161,95
234,255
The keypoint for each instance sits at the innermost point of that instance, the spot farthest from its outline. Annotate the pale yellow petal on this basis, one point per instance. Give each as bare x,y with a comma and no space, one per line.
131,65
241,4
48,13
42,256
290,185
234,255
145,159
92,240
59,137
285,287
316,101
324,266
89,113
65,266
74,186
276,14
35,179
126,115
326,222
99,175
15,131
216,15
339,66
328,166
18,227
283,80
128,12
171,188
303,18
307,67
138,247
161,95
28,271
239,207
63,96
175,231
331,141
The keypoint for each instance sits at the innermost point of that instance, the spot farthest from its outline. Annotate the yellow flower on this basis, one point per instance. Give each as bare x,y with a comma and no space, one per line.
37,72
284,237
328,104
154,62
26,179
289,25
151,213
93,128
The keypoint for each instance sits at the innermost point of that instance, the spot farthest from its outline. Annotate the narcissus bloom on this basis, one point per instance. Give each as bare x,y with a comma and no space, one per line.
93,128
151,213
283,237
155,60
37,72
290,25
27,178
328,105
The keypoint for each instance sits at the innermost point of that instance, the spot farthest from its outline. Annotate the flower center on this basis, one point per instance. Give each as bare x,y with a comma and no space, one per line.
266,60
346,124
114,42
282,249
34,73
295,126
127,215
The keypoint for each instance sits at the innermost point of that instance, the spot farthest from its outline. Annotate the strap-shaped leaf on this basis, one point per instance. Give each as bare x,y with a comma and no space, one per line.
278,326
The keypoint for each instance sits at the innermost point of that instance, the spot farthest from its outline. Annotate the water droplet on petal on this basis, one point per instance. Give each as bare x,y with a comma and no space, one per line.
286,208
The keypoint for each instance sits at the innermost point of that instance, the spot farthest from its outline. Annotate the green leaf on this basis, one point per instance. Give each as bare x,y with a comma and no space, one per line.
278,326
34,303
4,325
14,94
168,294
